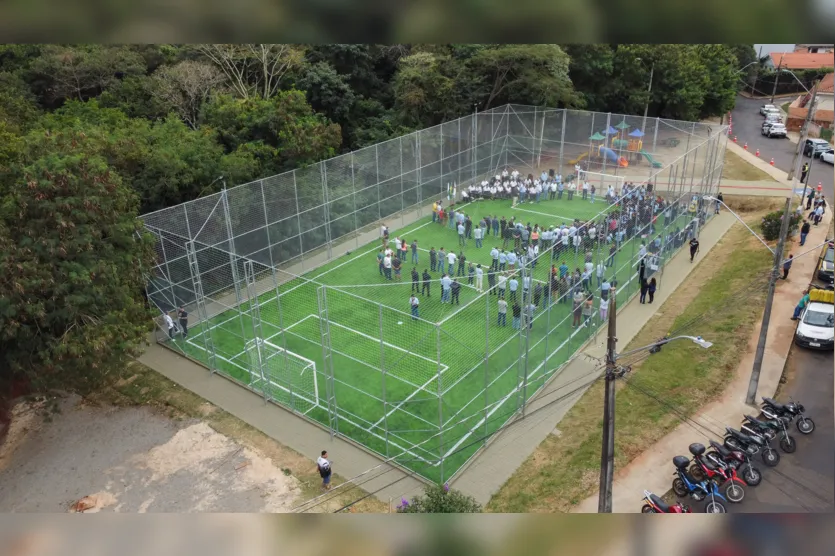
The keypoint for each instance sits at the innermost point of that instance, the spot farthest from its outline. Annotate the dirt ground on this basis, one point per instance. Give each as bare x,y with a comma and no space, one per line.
132,460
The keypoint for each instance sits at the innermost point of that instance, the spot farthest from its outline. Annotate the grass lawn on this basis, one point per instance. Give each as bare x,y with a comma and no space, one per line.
564,470
738,169
141,386
424,389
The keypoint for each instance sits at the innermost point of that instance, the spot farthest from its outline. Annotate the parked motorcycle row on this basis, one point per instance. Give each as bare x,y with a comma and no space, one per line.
720,473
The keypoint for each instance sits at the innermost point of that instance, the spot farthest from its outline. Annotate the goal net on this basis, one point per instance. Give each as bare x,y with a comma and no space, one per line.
287,378
602,181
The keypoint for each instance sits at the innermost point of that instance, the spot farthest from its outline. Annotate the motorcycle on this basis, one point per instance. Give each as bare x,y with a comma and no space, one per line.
654,505
738,460
751,445
721,473
770,429
685,485
788,412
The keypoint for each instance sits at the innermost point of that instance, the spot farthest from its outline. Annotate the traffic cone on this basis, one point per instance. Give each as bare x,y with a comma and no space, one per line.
758,152
820,186
746,146
734,138
772,162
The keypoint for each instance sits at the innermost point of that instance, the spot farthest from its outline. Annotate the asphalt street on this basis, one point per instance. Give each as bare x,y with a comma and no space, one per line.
747,125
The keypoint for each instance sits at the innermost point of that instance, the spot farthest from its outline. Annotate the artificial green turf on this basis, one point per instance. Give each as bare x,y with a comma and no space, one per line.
396,412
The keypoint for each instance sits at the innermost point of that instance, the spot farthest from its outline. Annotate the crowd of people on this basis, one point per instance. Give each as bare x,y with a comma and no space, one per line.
636,213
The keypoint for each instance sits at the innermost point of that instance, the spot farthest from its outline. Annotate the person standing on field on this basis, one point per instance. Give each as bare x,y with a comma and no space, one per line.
479,278
414,303
502,312
427,281
456,291
169,323
414,251
415,280
323,466
182,317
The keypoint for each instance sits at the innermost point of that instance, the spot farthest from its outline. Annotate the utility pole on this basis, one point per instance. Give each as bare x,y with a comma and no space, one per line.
757,70
776,79
751,397
607,454
804,134
649,95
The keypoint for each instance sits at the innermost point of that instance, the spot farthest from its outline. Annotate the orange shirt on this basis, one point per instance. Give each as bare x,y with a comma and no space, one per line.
535,236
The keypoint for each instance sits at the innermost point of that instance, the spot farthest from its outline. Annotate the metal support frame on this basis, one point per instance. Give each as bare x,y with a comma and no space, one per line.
655,137
233,258
200,300
383,376
255,316
562,138
327,359
440,403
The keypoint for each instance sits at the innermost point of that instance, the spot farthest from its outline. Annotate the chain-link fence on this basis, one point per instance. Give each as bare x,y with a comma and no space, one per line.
422,355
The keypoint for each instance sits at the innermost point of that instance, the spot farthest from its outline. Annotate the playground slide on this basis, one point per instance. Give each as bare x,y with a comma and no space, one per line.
611,155
654,163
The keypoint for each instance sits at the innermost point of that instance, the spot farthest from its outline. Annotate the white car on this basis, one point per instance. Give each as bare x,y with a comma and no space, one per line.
775,129
772,111
817,326
766,107
829,156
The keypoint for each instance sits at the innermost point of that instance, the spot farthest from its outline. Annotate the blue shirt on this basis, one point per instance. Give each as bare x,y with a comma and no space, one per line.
446,282
563,270
502,258
514,284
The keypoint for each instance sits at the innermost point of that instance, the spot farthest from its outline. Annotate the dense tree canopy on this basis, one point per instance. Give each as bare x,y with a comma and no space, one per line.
92,135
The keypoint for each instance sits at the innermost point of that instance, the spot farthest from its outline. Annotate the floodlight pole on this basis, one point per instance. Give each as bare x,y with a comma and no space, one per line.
649,93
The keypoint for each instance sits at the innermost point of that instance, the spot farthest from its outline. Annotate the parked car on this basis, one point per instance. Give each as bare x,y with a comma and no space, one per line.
771,117
816,328
774,129
815,147
829,156
773,112
826,267
766,107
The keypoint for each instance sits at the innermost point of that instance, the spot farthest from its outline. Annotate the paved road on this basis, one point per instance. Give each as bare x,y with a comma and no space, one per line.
803,481
747,123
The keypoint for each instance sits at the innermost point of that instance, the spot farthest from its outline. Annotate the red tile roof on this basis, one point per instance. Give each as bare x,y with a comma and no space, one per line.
803,60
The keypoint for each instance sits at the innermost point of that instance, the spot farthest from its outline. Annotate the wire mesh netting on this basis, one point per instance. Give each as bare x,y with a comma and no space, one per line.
420,342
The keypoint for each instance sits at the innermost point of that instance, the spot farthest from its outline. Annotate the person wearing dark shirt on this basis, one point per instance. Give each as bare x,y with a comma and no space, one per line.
456,290
182,316
694,248
427,280
804,231
491,282
433,259
468,228
517,315
462,260
415,280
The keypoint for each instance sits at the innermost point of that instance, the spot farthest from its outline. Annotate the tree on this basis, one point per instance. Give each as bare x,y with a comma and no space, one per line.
285,122
184,88
440,499
327,91
721,65
135,97
81,72
526,73
253,70
592,71
72,255
423,90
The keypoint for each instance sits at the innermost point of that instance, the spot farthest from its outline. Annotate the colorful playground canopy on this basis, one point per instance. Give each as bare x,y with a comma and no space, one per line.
610,131
622,125
637,133
597,137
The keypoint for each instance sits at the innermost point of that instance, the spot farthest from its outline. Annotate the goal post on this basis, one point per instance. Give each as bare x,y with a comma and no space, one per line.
284,376
601,181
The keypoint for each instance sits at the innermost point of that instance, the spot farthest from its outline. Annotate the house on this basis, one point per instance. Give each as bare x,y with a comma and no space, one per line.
814,48
825,103
801,60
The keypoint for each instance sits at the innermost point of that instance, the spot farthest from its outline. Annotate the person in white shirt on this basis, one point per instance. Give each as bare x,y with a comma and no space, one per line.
387,265
515,174
169,322
553,190
397,244
601,269
451,258
576,242
585,190
504,174
477,236
572,231
479,278
578,171
558,178
323,466
502,285
538,189
571,187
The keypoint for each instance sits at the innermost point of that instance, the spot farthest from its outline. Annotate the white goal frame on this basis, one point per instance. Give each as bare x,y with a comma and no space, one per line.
262,352
601,181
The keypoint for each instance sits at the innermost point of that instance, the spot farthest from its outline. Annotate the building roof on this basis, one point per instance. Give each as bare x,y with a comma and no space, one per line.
827,84
802,60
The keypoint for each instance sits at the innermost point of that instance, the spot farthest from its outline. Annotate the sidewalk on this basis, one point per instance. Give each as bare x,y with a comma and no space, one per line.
652,470
507,451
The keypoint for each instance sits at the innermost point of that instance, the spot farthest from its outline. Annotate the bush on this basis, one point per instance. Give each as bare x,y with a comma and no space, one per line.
772,221
826,134
440,499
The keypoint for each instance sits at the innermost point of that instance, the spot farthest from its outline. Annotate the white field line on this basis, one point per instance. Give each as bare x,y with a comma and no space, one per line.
341,415
543,214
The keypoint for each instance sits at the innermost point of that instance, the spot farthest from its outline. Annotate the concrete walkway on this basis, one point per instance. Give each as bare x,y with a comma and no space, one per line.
652,470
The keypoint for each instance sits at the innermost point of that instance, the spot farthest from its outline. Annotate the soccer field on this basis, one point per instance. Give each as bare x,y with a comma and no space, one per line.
429,391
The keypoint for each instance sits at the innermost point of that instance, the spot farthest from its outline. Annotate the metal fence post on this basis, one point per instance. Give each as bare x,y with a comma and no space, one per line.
441,454
323,173
383,374
487,360
655,136
298,218
233,262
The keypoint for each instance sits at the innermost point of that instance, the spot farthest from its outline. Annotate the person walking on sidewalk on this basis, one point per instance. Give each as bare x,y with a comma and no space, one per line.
182,317
719,201
694,248
644,290
804,231
787,266
604,309
653,285
323,466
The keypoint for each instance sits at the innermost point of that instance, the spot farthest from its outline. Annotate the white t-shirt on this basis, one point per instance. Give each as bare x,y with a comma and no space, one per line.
451,258
414,301
398,243
324,465
479,271
382,231
169,321
387,262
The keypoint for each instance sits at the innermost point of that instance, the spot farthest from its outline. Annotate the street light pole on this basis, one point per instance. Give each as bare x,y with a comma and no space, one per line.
803,136
607,454
753,382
